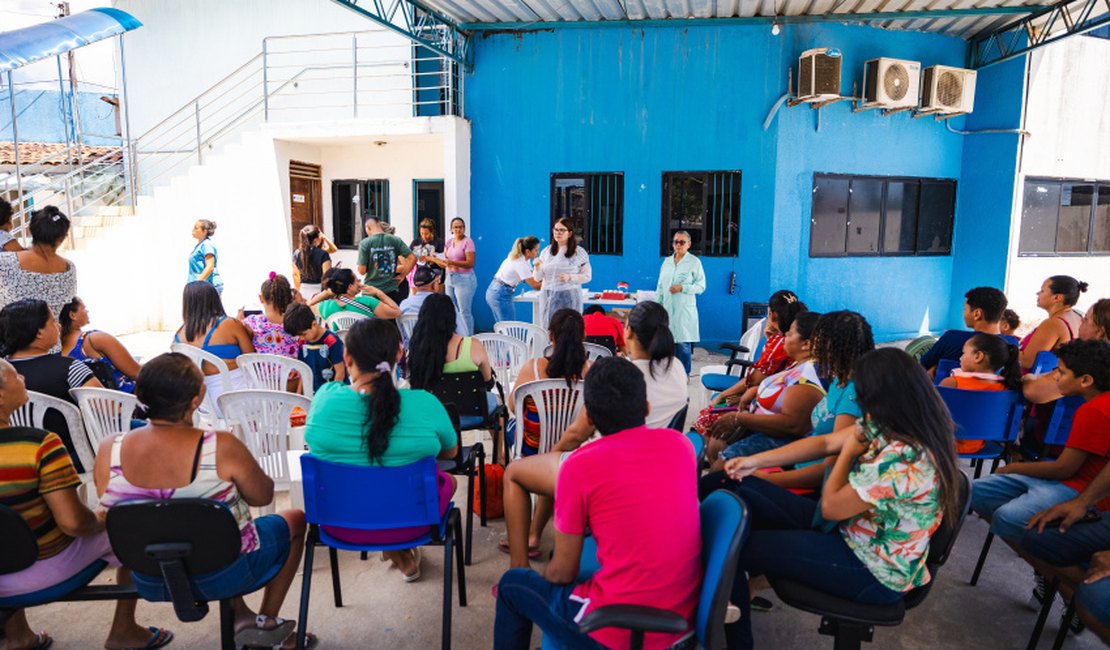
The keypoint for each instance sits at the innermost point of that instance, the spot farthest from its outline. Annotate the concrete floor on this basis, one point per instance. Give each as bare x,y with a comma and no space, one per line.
383,612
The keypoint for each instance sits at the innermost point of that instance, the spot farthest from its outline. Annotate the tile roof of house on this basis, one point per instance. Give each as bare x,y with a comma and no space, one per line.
51,153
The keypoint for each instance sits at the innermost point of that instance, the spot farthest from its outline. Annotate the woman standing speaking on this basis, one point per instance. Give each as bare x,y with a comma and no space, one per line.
563,268
681,279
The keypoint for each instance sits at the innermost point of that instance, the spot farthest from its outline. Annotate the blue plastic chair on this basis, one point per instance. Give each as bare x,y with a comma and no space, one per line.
944,369
991,416
724,527
699,448
1044,362
408,496
1059,425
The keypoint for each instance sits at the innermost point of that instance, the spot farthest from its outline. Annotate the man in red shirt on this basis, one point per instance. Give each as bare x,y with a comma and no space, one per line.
633,484
598,323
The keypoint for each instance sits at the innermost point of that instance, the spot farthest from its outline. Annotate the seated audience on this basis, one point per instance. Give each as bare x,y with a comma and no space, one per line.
170,459
103,353
1017,491
1010,323
371,422
894,478
603,488
600,324
1057,297
427,280
983,307
651,349
780,408
38,480
7,242
987,363
28,333
1095,326
344,293
207,327
39,272
267,329
319,348
436,349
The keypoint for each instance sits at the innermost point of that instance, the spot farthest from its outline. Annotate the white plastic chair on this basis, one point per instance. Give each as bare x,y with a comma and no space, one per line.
534,336
263,420
104,411
557,405
33,413
593,351
343,320
406,324
506,356
208,415
273,371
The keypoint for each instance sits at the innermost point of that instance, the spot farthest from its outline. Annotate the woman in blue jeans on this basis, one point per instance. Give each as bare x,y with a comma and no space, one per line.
892,479
515,268
461,284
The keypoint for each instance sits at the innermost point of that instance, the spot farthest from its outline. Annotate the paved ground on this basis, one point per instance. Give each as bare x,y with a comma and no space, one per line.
383,612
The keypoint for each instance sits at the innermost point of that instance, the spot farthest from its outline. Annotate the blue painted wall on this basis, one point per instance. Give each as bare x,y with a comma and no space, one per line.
646,101
41,117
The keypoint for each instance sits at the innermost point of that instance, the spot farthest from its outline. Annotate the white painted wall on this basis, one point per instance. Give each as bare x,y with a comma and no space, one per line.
1069,90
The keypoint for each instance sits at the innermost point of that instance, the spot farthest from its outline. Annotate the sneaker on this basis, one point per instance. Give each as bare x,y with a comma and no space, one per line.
1075,625
761,604
1036,599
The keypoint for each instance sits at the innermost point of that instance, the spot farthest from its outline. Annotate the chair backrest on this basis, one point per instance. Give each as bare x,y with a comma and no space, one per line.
593,351
466,390
752,339
944,369
342,320
334,494
724,527
678,422
34,412
942,542
263,418
699,448
1044,361
342,334
606,341
104,411
993,416
557,405
208,410
272,372
406,324
18,548
534,336
1059,425
506,356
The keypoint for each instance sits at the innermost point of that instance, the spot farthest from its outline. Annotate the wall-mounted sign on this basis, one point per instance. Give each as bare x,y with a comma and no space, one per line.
298,198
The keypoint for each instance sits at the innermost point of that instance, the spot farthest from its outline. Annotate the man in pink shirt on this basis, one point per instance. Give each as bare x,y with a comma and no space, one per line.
635,490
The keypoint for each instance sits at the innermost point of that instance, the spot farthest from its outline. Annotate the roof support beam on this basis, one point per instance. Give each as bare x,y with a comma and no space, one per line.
418,23
1047,25
756,20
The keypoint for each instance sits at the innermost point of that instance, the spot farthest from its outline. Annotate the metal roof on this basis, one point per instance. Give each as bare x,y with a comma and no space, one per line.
961,18
22,46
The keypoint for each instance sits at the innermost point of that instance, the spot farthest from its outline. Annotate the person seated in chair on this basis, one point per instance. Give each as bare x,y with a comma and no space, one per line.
605,488
371,422
343,293
983,307
436,348
38,481
207,327
598,323
320,349
427,280
170,459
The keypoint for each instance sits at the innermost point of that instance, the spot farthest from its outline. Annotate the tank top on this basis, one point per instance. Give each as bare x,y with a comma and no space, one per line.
206,485
462,362
123,382
224,351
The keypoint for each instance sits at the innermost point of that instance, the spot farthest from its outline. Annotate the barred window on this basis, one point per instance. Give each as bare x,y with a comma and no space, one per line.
706,205
353,202
594,203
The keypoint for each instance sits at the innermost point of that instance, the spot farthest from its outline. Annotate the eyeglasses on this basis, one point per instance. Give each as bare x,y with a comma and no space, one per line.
560,230
680,242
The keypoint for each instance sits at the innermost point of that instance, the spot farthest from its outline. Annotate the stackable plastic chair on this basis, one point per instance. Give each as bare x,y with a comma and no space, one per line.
699,448
406,324
33,413
273,371
1044,361
506,356
263,420
534,336
606,341
334,495
742,356
343,320
593,351
991,416
104,411
724,527
208,414
557,405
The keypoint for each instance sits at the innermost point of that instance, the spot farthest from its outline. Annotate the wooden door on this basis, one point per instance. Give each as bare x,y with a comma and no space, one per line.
306,199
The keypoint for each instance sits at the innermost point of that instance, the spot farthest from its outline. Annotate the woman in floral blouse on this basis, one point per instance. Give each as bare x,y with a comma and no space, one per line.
267,329
892,478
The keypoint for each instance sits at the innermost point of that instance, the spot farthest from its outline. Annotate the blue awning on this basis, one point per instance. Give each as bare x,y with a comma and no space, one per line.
22,46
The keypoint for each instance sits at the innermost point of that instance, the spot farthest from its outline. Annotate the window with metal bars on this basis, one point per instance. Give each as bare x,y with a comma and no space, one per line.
353,202
1065,217
594,203
706,205
879,216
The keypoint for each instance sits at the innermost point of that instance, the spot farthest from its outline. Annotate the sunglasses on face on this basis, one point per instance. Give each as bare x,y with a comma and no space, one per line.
680,242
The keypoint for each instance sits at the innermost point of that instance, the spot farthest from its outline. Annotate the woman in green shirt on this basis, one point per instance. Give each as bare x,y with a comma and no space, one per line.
344,293
371,422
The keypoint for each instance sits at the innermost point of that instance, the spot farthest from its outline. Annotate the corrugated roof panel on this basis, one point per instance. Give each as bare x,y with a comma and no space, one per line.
656,9
521,10
822,7
586,9
635,9
748,8
703,8
611,9
20,47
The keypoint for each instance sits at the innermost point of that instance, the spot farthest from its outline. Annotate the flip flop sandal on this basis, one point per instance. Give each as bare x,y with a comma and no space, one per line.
159,637
503,546
414,576
42,641
262,637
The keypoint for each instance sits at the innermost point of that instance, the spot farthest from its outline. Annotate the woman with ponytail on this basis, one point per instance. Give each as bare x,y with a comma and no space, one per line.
268,328
990,363
371,422
514,269
1058,296
436,349
311,260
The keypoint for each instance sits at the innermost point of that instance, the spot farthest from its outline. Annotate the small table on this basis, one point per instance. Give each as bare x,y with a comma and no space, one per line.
588,298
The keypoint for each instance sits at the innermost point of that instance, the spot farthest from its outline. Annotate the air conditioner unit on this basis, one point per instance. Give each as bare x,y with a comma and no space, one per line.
947,90
819,74
891,83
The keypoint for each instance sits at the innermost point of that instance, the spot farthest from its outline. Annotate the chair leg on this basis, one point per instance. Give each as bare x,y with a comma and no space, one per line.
462,567
482,491
469,512
1065,625
227,625
994,464
846,635
336,589
363,556
448,539
982,559
1046,606
306,583
978,467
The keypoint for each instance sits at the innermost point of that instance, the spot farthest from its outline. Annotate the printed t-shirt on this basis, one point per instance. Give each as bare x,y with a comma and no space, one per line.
950,346
36,463
322,355
334,429
271,338
892,538
512,272
604,325
774,358
313,271
365,306
379,253
1090,432
772,390
605,487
